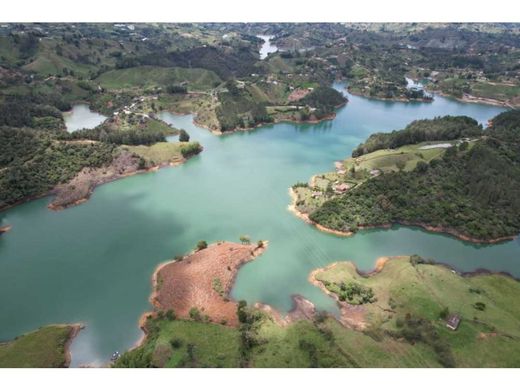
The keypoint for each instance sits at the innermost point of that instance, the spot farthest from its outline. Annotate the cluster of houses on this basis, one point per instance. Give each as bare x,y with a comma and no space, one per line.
128,109
338,187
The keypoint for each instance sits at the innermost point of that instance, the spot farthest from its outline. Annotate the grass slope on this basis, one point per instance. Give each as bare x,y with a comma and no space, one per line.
43,348
150,76
161,152
488,338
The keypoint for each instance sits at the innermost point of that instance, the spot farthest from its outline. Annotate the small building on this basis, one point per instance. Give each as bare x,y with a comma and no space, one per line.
375,172
453,321
341,188
316,194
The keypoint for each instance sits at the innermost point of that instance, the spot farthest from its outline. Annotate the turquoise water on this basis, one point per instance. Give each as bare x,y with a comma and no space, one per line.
93,263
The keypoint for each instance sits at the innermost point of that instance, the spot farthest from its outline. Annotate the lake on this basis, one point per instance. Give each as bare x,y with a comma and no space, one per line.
267,47
80,117
93,263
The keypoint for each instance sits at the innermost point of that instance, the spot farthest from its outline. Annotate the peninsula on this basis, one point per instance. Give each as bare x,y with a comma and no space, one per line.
445,175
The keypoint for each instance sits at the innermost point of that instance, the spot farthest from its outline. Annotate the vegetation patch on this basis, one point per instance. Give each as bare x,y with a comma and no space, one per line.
471,191
43,348
415,299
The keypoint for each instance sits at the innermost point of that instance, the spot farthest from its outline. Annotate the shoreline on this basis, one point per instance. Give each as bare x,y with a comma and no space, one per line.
76,328
59,207
348,311
5,229
153,298
434,229
476,100
470,99
305,217
217,132
274,122
395,99
154,168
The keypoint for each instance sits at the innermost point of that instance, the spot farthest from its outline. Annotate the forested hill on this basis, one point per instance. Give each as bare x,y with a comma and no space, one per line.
437,129
472,191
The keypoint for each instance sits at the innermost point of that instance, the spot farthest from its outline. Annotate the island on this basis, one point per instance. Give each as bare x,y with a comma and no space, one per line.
47,347
445,175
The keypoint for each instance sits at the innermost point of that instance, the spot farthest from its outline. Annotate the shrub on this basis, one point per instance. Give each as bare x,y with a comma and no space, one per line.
479,306
356,293
195,314
217,286
202,245
444,313
245,240
176,343
184,136
242,311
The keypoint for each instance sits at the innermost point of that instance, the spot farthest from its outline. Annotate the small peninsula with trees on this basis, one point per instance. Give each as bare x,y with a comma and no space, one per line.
445,175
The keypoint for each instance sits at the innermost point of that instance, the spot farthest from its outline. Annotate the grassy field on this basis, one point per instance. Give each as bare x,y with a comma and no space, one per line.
161,152
485,338
182,343
203,105
391,160
403,328
357,170
301,344
497,91
153,76
44,347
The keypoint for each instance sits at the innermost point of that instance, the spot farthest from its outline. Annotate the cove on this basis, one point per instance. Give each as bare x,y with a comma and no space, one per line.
92,263
80,117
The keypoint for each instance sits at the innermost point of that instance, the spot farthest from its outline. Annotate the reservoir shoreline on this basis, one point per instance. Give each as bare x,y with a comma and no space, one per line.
435,229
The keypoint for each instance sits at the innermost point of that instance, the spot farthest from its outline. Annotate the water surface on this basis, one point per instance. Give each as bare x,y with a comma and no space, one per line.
93,263
80,117
267,46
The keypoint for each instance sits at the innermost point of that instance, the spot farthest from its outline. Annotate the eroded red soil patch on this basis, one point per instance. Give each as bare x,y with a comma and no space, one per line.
191,282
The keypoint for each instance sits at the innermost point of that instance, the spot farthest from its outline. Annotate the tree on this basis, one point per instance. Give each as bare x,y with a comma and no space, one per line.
242,312
463,146
202,245
195,314
422,166
184,136
444,313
